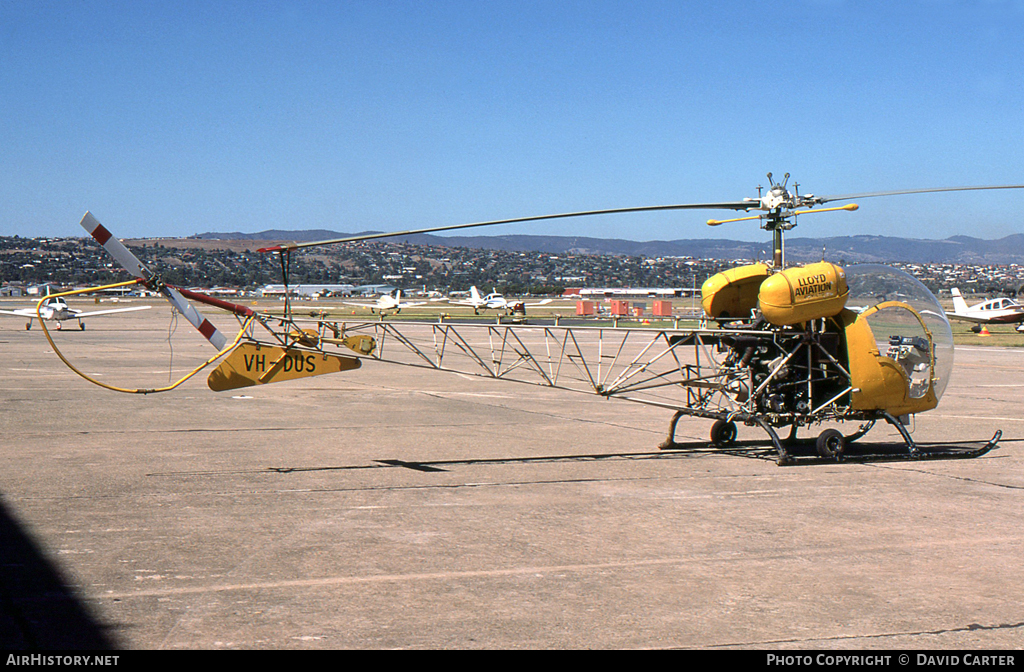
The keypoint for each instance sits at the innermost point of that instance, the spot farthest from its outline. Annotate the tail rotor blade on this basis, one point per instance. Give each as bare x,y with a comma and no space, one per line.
202,324
131,263
115,247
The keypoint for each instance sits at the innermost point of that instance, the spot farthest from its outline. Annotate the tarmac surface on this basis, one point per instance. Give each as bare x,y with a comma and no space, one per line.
392,507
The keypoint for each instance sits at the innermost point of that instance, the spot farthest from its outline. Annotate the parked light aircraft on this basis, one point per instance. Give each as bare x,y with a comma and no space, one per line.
994,311
57,310
386,302
493,301
789,355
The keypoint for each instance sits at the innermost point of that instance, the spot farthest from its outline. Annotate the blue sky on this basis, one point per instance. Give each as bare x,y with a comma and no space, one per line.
172,118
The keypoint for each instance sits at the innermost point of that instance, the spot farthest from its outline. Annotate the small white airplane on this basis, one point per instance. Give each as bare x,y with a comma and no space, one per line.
386,302
493,301
993,311
57,310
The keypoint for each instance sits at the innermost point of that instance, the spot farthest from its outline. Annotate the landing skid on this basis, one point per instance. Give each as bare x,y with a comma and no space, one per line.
865,452
830,446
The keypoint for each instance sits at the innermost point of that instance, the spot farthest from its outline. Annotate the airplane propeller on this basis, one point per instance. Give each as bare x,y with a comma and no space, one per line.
130,262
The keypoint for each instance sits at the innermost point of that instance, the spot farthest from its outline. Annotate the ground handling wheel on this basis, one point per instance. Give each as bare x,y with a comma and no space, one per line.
723,433
830,444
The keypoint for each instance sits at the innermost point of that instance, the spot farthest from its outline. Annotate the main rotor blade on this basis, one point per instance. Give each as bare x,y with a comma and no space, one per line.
850,197
131,263
741,205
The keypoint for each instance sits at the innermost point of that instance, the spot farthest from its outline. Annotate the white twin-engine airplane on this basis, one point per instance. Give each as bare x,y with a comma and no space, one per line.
57,310
392,301
994,311
493,301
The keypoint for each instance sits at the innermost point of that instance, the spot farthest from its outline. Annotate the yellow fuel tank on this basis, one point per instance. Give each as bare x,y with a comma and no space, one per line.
804,293
733,293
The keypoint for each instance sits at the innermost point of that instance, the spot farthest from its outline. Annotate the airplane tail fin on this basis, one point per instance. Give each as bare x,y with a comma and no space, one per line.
959,305
474,293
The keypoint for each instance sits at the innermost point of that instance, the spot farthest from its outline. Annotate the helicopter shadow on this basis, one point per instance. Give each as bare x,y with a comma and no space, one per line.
39,609
802,452
447,465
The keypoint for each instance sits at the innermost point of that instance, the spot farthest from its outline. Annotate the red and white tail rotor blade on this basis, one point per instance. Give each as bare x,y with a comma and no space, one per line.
115,247
123,256
192,315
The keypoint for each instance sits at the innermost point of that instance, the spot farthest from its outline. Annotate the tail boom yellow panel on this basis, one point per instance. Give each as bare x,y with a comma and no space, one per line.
256,364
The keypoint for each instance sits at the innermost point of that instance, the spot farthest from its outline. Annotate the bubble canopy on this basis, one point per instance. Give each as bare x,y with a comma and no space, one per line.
872,284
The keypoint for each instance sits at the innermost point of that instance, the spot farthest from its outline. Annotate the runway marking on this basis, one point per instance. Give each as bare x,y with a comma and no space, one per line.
990,348
472,574
488,395
975,417
389,578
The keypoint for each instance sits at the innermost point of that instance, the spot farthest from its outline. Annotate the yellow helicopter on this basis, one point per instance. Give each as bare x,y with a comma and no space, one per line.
791,347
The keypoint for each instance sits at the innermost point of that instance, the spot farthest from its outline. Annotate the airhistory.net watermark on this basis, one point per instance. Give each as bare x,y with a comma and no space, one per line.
67,661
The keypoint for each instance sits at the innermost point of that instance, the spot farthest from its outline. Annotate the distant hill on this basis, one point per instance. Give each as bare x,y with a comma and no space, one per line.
862,249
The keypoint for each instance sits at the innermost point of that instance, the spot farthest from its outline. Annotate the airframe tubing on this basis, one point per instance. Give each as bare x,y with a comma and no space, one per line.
137,281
